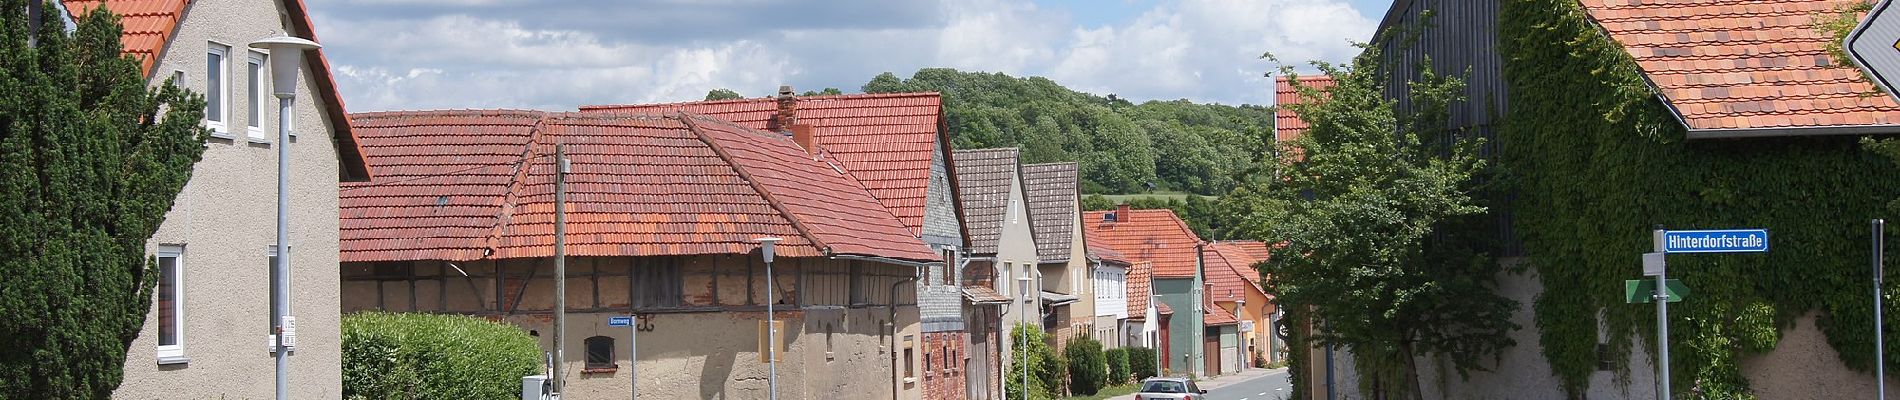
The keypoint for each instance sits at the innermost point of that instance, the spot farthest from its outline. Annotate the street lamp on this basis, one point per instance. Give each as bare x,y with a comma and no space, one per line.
286,54
1245,357
766,245
1022,322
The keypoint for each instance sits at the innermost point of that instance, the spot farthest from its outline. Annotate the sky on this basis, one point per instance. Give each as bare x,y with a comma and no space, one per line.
561,54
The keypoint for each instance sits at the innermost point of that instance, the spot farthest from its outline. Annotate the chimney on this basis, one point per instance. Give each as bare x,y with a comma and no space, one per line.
787,111
1121,213
801,134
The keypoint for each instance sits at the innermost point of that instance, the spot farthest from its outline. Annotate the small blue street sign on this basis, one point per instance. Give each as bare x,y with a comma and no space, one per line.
1716,241
619,321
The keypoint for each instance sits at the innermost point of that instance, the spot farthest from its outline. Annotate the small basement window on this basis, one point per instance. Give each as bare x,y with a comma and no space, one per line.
600,355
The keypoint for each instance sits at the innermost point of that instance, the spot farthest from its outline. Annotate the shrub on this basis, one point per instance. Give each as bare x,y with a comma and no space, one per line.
430,356
1117,366
1141,362
1088,368
1045,366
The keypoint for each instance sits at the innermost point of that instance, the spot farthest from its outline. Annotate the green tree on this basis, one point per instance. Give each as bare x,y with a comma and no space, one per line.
91,158
1045,366
1088,366
722,94
1370,219
827,92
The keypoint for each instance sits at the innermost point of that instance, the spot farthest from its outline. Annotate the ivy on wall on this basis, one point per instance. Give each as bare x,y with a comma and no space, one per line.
1597,161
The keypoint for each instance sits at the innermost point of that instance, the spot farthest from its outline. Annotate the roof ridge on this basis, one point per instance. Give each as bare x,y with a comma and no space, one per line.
749,100
792,218
515,185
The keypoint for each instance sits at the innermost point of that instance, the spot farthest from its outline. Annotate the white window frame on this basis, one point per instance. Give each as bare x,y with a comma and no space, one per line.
220,127
174,354
256,132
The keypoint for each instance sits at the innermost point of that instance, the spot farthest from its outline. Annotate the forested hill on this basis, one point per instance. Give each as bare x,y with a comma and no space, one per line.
1122,147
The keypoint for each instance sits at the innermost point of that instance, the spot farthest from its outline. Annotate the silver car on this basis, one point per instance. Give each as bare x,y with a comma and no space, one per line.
1169,388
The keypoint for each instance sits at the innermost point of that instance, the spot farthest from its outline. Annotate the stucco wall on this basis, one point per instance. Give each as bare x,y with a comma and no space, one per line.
225,221
1016,258
1184,339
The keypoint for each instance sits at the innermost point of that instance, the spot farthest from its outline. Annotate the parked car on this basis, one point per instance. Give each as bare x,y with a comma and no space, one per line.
1169,388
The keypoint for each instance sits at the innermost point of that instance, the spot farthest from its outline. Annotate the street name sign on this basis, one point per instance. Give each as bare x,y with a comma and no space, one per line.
1644,290
619,321
1716,241
1875,46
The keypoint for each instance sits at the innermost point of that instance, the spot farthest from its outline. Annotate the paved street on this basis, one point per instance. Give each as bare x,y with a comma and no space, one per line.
1255,384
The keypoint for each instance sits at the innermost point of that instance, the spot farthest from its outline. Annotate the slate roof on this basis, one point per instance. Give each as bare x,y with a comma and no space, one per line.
1053,199
1230,270
1747,65
1287,124
886,141
149,25
1140,286
1148,235
639,185
983,181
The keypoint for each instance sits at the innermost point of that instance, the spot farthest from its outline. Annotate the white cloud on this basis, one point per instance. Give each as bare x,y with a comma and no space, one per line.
425,54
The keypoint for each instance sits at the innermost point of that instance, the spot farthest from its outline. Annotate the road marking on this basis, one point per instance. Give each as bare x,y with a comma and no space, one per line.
1261,394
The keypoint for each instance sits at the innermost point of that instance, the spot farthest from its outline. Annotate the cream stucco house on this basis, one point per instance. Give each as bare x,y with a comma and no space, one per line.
1002,251
207,334
1068,292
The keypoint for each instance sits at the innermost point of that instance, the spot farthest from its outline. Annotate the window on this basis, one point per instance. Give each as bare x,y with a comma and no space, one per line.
217,100
1012,210
254,122
910,371
656,283
600,354
949,266
171,305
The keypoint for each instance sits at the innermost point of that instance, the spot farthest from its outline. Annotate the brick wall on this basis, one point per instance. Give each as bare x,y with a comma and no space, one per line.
944,365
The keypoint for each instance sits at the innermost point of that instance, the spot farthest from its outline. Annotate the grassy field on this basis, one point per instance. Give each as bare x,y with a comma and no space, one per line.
1107,392
1119,198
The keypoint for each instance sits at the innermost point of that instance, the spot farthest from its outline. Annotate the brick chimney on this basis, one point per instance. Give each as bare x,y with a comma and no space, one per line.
1122,214
787,115
801,134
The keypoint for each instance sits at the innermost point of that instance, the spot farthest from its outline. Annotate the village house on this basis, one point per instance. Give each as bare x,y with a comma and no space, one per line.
1110,283
1204,340
1237,288
662,220
207,332
894,145
1002,251
1068,293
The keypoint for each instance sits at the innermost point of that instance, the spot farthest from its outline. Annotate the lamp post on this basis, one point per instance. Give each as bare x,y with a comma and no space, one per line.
766,245
1152,303
1022,322
286,55
1245,357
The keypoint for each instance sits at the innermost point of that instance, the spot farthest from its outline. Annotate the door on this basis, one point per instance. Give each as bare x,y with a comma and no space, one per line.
976,375
1211,350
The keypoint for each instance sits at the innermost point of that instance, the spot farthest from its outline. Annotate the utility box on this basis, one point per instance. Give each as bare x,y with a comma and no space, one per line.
535,387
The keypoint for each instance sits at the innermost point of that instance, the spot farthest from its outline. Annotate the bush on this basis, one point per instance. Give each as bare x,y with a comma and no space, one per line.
1045,366
1141,362
1117,366
430,356
1088,368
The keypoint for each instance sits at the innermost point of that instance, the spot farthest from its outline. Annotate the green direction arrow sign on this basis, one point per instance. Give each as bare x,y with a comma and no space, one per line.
1644,290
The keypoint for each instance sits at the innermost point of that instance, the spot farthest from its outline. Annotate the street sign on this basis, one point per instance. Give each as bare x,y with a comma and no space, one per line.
619,321
1653,264
1716,241
1875,46
1644,290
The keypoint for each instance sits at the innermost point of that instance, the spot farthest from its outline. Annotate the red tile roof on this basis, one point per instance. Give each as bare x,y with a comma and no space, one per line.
640,185
1140,281
984,178
1287,124
1216,316
1051,192
1099,250
886,141
1743,64
1148,235
1230,270
149,25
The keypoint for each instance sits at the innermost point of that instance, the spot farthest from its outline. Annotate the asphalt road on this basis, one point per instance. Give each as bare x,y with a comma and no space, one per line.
1271,386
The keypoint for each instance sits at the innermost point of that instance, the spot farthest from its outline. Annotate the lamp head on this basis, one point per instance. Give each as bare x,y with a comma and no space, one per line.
286,55
766,246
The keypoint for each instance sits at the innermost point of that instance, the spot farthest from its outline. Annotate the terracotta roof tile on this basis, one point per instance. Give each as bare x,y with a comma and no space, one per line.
1743,64
983,183
1148,235
1287,124
639,186
1216,316
1052,196
886,141
1099,250
1230,270
149,25
1140,286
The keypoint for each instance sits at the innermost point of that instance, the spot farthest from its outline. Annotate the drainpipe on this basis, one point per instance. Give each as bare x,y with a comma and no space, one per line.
893,309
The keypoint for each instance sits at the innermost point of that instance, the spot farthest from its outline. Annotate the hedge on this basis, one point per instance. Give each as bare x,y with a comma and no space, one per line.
1141,362
1117,366
1088,368
429,356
